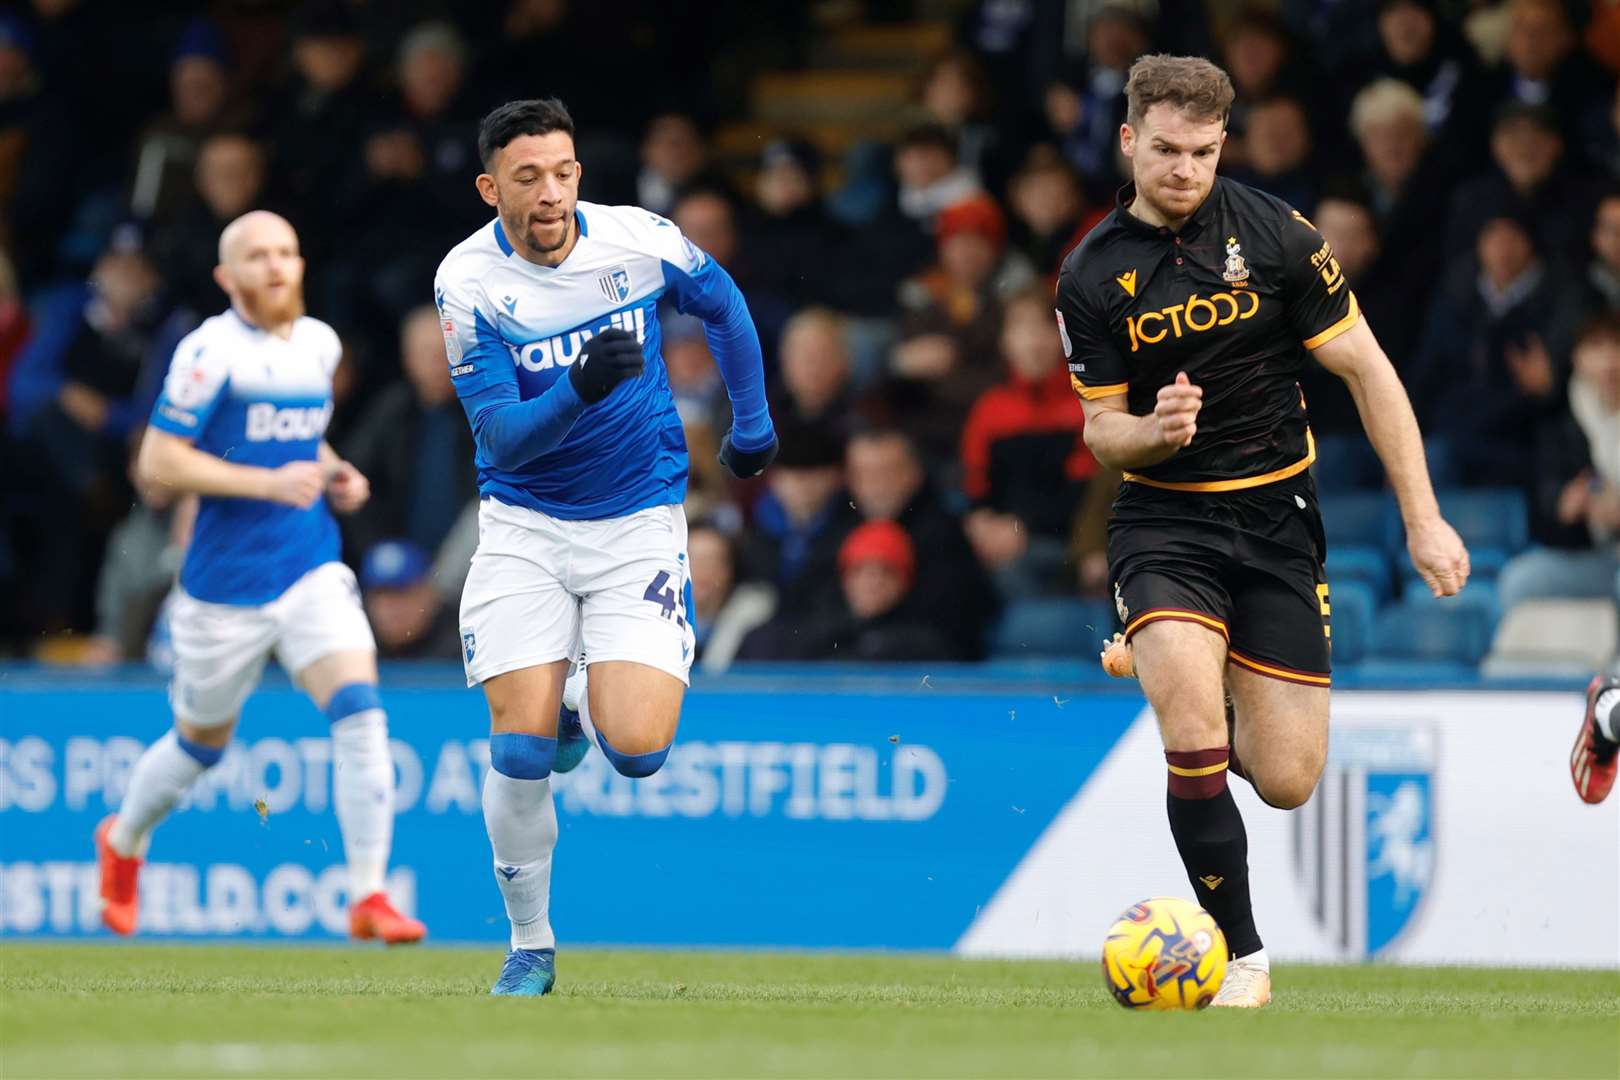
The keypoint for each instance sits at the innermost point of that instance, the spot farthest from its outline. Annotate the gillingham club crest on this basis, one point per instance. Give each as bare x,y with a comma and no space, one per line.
1364,845
615,284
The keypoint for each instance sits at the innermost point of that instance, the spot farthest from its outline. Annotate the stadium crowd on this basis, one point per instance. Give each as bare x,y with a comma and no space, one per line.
1463,158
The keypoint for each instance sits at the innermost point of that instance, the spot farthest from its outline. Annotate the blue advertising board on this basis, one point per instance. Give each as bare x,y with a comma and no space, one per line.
801,814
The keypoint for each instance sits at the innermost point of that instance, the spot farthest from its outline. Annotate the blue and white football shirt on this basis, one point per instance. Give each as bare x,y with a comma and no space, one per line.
252,398
509,321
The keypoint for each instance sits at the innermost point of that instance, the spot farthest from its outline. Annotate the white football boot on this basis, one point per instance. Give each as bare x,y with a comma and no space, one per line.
1247,984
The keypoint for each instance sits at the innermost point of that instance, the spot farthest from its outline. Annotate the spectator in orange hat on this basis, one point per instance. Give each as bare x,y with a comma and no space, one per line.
960,294
887,480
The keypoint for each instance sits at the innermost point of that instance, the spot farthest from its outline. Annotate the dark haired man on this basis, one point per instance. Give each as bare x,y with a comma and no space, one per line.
1187,316
550,319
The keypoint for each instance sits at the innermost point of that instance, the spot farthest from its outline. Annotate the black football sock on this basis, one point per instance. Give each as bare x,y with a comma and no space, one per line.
1213,844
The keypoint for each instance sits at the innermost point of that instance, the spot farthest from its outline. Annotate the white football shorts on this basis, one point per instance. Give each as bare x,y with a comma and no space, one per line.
220,649
542,589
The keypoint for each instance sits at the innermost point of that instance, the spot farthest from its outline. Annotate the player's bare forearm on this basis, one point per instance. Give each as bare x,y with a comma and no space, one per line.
1124,442
1437,552
1387,416
1393,431
173,465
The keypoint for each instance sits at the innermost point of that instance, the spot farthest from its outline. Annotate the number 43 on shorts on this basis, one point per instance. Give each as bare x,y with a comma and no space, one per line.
662,593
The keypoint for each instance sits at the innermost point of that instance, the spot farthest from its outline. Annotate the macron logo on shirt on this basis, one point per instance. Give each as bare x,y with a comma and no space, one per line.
265,422
563,350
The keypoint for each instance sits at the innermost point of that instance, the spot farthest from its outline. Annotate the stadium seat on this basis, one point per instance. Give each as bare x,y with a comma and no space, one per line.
1477,594
1354,607
1385,673
1052,626
1361,520
1364,565
1442,462
1539,638
1346,463
1432,630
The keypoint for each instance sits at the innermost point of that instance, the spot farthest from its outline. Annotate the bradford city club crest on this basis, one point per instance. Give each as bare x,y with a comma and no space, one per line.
615,284
1237,271
1364,846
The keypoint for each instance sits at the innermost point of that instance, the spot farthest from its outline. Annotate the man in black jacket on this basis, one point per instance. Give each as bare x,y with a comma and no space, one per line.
887,482
414,445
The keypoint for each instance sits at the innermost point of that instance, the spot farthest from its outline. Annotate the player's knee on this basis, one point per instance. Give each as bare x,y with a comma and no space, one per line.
521,756
638,758
353,700
205,753
1288,790
1192,729
358,724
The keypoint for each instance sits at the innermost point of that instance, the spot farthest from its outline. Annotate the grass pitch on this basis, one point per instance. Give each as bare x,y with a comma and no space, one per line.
141,1010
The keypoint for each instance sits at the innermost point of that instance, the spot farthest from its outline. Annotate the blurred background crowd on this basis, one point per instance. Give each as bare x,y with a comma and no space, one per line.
894,184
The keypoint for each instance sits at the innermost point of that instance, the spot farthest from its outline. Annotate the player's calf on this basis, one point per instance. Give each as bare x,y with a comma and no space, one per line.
161,778
572,742
522,825
363,794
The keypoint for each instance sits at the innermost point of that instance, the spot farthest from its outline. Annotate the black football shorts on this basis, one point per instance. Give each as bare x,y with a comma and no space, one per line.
1247,564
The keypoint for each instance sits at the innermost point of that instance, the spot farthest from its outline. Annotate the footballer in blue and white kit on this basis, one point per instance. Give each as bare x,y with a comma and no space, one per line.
241,425
550,318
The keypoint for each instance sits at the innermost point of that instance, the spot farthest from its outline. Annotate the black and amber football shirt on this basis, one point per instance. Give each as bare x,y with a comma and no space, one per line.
1237,297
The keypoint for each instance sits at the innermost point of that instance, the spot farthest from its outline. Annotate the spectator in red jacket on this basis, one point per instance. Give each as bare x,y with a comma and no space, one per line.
1025,465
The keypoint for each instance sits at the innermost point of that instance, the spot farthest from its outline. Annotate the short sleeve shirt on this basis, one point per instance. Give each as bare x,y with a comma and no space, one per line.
1236,298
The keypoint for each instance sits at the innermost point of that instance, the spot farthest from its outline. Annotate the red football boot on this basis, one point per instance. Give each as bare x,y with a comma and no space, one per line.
1592,762
120,891
375,918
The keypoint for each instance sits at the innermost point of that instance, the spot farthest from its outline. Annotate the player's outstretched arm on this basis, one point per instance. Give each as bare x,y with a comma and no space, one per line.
703,288
1120,440
172,465
1356,357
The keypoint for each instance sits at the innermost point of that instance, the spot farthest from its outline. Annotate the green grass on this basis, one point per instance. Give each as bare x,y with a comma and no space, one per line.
97,1010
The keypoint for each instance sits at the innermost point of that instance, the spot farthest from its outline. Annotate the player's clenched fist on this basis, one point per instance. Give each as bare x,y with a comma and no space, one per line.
297,483
1438,555
745,463
347,488
1177,411
607,360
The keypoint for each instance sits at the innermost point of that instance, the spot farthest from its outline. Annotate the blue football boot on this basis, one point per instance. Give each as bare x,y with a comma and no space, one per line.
572,745
526,973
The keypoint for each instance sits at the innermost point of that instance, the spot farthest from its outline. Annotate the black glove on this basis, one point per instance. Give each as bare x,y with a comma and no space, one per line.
607,360
746,463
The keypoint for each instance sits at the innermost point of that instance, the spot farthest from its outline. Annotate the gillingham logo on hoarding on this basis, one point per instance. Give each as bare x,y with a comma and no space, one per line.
1364,846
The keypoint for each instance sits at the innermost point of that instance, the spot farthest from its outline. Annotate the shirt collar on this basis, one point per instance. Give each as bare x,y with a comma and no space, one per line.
1190,228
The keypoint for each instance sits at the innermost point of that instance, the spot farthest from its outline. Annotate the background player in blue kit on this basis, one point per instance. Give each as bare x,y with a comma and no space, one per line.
551,329
241,423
